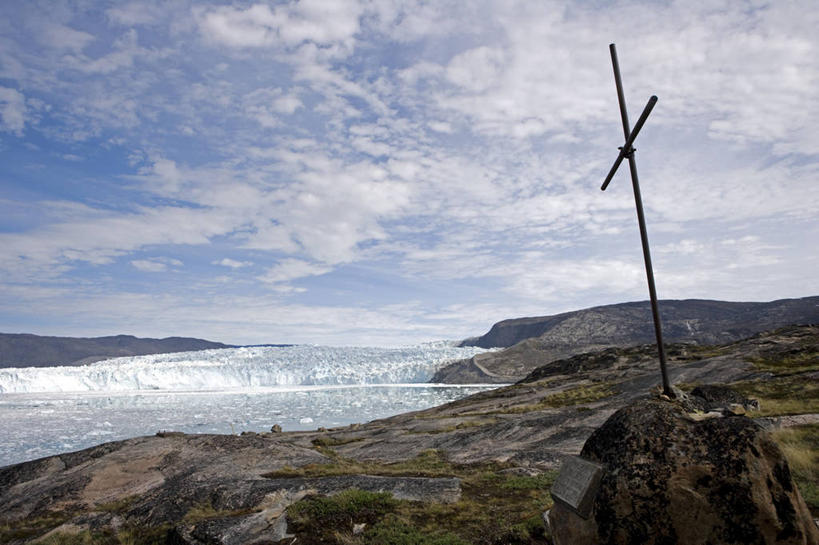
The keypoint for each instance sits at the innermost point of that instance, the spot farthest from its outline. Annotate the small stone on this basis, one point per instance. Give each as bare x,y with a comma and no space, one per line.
276,428
358,528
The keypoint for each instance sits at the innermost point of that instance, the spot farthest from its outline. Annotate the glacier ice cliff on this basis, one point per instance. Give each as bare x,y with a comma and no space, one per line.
245,367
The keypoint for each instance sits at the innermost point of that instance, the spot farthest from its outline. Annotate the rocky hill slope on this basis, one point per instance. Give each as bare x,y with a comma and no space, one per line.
536,341
476,470
25,350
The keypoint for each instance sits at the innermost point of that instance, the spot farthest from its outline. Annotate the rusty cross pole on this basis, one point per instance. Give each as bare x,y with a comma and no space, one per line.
627,152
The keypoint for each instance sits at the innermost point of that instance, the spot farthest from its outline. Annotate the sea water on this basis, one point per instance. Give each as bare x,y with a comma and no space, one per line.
52,410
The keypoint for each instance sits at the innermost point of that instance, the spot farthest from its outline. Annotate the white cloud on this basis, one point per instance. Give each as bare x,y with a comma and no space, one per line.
149,266
293,269
98,238
134,13
125,50
449,146
63,37
12,110
441,126
319,21
478,69
287,104
232,263
265,106
156,264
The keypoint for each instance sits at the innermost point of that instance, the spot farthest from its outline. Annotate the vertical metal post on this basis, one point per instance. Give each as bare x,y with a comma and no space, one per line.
638,201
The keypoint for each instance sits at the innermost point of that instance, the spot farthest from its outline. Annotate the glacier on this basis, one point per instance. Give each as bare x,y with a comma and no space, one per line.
241,368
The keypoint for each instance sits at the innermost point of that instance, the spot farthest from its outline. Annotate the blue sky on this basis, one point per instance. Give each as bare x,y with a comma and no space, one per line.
388,172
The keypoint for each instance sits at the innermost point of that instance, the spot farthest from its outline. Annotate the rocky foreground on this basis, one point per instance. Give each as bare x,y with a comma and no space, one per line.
473,471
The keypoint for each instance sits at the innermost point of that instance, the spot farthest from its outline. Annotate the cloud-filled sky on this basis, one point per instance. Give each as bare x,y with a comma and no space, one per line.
387,172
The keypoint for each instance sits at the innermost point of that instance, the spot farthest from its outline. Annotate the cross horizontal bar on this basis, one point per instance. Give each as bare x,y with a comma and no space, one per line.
626,149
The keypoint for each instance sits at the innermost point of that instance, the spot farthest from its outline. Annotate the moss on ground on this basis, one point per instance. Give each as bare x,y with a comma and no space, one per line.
800,444
495,506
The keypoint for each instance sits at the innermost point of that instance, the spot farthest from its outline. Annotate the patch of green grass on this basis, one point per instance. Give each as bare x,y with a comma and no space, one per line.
85,537
495,507
31,527
460,426
117,506
327,441
205,510
542,481
579,395
345,508
428,463
782,395
572,396
130,535
800,445
394,531
799,360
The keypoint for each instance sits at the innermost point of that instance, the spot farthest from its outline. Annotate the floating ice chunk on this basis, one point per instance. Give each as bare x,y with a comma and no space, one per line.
306,420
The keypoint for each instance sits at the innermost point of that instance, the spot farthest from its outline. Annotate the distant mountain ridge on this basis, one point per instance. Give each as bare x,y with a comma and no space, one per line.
699,320
535,341
27,350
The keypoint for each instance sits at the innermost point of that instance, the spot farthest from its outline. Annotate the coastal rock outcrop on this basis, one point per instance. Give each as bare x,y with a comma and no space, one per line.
674,477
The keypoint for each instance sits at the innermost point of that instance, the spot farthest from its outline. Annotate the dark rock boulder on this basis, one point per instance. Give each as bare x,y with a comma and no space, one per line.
670,477
709,397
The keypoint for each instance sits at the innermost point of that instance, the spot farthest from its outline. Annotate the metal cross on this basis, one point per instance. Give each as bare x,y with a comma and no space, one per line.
627,152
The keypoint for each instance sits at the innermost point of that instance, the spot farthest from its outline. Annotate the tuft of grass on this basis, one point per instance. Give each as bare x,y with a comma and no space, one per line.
782,395
428,463
117,506
542,481
800,445
326,441
495,507
205,510
579,395
460,426
32,527
85,537
347,507
394,531
567,398
131,535
799,360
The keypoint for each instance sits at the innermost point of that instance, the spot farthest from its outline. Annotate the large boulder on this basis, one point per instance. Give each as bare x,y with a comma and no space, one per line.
673,477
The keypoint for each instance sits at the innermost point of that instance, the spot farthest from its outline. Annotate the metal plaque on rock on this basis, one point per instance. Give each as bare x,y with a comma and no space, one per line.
576,485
